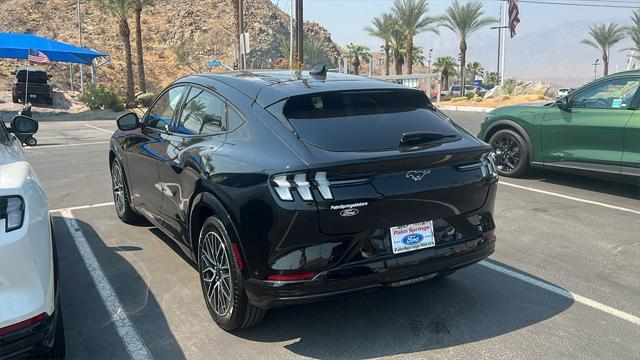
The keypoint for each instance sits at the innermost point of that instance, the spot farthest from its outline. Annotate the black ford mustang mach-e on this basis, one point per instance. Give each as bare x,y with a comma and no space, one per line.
293,187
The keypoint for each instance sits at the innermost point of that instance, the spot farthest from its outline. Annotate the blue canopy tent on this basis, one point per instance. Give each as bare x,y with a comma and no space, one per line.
16,46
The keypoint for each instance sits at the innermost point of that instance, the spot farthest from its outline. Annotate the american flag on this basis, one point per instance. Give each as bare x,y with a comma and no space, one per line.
37,57
514,18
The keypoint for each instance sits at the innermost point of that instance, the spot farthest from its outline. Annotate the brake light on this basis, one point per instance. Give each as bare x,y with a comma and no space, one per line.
14,87
22,324
291,277
488,165
285,184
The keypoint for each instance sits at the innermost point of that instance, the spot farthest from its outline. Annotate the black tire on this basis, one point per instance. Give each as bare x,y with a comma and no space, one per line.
239,313
50,101
32,141
511,152
444,274
15,99
58,350
121,197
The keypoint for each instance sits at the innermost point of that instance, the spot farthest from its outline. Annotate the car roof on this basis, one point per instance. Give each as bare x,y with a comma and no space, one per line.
271,86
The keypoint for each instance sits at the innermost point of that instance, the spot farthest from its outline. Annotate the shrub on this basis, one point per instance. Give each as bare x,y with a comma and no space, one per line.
459,98
101,97
509,86
505,97
478,99
541,97
469,95
145,99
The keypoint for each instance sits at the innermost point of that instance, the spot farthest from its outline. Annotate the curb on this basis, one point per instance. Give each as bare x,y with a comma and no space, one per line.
465,108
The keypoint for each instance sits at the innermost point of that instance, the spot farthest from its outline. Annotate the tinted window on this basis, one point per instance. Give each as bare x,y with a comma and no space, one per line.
202,113
612,94
160,115
233,119
35,77
362,120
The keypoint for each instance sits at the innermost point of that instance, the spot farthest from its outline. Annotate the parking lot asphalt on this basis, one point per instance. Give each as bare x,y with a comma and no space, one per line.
563,283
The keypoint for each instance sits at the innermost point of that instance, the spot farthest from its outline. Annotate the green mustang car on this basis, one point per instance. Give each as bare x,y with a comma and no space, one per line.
594,130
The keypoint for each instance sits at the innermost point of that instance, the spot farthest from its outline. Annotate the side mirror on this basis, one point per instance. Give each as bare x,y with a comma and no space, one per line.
563,103
13,73
128,121
50,76
23,125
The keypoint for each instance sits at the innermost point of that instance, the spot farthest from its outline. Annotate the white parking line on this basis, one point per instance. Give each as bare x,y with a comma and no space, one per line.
564,293
128,333
62,145
97,128
633,211
82,207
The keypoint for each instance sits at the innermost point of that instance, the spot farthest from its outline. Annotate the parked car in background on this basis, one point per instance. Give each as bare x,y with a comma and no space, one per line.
562,92
594,130
288,188
454,91
30,315
34,83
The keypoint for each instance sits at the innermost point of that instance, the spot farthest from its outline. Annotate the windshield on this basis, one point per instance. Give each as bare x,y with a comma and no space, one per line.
362,120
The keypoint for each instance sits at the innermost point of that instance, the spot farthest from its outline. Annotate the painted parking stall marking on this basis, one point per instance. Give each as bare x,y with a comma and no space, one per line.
98,128
132,341
565,293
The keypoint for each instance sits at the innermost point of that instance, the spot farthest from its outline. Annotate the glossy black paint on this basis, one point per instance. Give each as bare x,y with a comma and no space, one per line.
178,180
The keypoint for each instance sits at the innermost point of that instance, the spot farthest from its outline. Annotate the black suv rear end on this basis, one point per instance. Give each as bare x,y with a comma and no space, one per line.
33,84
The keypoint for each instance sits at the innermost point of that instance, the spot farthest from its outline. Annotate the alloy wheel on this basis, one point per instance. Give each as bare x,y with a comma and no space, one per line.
507,152
118,188
216,273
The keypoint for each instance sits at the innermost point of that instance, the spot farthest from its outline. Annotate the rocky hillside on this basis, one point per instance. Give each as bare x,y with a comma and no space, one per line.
179,36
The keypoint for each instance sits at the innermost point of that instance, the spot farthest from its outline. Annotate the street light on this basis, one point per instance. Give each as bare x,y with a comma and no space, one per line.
595,69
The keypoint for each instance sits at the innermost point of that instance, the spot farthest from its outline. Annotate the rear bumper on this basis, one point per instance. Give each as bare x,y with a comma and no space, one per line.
34,341
370,275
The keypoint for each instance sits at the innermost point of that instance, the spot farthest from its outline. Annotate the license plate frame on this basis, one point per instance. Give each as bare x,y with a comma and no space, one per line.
412,237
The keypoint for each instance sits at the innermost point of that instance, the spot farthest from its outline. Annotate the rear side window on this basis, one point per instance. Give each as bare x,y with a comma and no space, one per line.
361,120
35,77
203,113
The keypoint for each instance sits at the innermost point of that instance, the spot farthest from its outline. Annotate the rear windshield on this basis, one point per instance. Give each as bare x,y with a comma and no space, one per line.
361,120
35,77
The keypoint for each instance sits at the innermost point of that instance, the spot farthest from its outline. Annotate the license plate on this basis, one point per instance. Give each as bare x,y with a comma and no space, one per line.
32,96
412,237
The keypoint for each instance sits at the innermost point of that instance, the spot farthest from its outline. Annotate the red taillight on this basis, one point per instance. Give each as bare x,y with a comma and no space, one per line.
236,253
14,87
22,324
291,277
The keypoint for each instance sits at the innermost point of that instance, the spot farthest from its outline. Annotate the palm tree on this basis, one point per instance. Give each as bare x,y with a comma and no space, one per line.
138,10
412,21
314,51
397,46
633,31
464,20
354,53
418,55
491,78
121,10
446,66
474,69
603,37
236,21
383,27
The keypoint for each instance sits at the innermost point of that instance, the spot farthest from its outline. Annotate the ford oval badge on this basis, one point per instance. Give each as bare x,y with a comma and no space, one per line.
349,212
412,239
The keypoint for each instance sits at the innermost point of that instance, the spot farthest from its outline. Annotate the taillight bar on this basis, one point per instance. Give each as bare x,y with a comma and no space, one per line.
291,277
22,324
283,185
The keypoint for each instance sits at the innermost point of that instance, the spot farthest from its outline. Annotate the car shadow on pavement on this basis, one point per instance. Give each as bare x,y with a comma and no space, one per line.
90,332
474,304
610,187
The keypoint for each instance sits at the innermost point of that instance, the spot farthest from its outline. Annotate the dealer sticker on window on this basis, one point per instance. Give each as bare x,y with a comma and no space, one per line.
412,237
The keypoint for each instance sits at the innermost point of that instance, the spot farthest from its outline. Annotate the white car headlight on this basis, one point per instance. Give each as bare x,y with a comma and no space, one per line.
12,212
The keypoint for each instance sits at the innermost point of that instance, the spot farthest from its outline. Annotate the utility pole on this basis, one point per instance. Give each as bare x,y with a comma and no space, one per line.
80,36
299,35
291,35
242,57
595,68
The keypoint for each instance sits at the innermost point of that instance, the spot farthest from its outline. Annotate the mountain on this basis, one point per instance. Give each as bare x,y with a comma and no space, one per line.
553,54
194,29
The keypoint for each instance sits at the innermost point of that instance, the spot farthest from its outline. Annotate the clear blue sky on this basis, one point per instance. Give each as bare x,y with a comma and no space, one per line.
345,19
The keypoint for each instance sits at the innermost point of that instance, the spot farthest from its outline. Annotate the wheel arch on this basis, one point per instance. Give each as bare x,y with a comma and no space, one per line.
204,205
502,124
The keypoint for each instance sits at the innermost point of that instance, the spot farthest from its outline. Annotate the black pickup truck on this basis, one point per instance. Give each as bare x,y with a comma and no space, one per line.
39,86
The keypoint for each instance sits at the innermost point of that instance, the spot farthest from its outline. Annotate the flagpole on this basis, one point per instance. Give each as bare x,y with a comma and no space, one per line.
26,88
505,18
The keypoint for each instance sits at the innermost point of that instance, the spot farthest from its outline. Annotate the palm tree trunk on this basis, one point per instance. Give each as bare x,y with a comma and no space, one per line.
386,58
356,66
126,41
141,78
409,54
236,16
605,62
446,80
463,60
397,61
